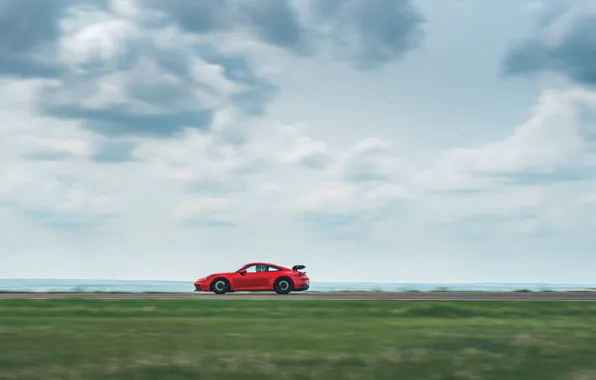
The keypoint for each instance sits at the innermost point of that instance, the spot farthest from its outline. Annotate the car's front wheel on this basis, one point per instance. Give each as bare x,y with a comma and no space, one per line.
283,286
220,286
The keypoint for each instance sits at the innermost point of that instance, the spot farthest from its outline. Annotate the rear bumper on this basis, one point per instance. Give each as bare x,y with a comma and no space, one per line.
301,288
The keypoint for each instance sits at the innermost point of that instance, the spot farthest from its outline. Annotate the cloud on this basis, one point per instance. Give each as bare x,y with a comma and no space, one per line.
345,211
371,160
512,184
559,133
557,138
305,151
54,149
565,43
55,201
46,171
253,92
115,73
275,22
113,151
369,33
517,185
271,21
365,189
209,163
29,32
59,148
362,32
119,74
202,16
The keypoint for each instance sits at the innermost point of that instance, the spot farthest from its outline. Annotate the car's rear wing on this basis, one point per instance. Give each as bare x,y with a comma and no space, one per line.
298,267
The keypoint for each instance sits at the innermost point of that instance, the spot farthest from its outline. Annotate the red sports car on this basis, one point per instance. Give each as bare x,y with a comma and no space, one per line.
256,277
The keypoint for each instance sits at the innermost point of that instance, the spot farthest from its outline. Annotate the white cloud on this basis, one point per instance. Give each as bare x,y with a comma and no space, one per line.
203,156
60,189
67,146
496,181
555,137
304,150
372,160
45,171
552,136
90,36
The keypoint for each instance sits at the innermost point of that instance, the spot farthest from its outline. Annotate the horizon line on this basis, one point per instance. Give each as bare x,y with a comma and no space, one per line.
320,282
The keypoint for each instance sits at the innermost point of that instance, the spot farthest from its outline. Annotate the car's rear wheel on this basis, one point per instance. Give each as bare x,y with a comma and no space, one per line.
283,285
220,286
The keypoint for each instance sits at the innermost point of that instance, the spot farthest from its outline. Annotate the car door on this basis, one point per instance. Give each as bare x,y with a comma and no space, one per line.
241,281
251,280
259,279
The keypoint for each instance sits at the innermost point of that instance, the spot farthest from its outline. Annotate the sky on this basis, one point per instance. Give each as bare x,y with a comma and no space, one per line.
370,140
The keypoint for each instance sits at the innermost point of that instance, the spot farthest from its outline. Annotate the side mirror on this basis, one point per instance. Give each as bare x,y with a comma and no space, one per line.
242,272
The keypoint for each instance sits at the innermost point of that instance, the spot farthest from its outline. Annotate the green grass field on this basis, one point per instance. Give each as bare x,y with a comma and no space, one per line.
280,339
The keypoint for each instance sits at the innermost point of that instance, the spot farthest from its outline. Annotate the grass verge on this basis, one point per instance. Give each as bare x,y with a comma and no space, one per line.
260,339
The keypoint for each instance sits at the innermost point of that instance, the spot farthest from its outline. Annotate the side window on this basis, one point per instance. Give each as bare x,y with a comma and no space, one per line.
261,268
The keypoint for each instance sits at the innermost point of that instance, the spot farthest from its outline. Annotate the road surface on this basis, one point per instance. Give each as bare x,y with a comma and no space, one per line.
389,296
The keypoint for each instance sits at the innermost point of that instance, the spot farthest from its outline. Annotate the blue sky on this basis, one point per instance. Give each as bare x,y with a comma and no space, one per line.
371,140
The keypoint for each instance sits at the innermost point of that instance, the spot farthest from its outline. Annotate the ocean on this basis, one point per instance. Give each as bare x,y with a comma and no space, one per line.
53,285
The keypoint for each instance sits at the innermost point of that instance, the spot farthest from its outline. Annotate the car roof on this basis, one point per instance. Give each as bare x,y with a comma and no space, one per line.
264,263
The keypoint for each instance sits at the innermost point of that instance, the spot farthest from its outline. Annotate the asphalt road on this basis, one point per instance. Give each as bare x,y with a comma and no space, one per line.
388,296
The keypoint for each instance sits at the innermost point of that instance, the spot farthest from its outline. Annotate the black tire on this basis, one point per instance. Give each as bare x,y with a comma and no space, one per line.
220,286
283,285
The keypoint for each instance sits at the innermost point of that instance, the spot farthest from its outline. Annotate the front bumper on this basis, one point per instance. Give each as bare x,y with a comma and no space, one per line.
198,288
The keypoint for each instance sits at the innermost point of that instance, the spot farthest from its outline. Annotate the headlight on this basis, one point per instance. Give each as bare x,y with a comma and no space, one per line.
205,278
